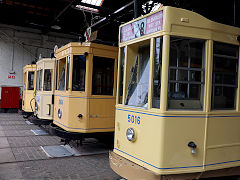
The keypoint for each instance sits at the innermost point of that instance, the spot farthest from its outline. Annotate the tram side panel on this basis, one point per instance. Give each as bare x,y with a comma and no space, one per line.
74,117
223,142
102,114
61,110
161,143
44,104
29,101
146,148
78,116
179,132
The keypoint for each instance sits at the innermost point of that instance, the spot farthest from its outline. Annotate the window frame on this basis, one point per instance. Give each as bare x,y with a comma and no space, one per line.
120,74
71,68
214,85
152,70
113,60
51,84
202,71
58,80
68,70
56,75
132,50
33,73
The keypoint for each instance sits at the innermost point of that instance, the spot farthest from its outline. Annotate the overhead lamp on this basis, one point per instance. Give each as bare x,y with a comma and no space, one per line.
56,27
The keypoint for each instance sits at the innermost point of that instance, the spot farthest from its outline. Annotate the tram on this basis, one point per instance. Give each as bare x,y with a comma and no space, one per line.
85,94
44,92
178,98
29,86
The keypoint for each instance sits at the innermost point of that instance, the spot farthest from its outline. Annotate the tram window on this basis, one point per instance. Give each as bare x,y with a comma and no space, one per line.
30,80
37,84
225,73
67,75
103,76
61,69
40,79
25,80
157,73
56,85
47,83
120,82
137,87
79,71
186,73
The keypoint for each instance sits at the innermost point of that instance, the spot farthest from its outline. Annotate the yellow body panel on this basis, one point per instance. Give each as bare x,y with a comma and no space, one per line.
44,98
162,136
71,107
28,101
98,111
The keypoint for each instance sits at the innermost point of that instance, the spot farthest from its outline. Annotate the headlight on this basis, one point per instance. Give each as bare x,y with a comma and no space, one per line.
130,134
59,113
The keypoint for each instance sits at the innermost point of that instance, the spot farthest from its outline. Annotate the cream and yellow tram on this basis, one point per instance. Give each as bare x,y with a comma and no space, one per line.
29,86
44,92
85,95
178,100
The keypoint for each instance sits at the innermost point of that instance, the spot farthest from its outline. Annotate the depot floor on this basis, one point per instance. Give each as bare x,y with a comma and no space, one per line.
22,155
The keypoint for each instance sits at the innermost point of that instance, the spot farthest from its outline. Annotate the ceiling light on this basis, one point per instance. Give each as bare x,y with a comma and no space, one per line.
56,27
93,2
90,2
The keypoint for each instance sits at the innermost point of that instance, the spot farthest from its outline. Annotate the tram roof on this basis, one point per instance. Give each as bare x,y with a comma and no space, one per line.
45,63
45,60
29,67
86,44
177,20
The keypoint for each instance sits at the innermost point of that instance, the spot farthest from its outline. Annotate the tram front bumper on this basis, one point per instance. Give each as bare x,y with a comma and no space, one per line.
130,170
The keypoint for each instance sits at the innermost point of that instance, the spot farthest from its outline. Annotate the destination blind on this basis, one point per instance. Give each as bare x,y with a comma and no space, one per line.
147,25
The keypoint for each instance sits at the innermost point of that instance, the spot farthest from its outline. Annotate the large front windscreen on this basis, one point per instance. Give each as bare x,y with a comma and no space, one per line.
137,87
31,80
103,76
78,74
47,83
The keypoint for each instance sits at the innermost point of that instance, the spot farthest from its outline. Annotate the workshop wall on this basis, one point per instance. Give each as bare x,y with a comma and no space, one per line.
21,46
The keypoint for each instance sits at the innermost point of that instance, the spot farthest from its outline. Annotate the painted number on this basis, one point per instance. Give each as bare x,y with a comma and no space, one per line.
133,119
60,101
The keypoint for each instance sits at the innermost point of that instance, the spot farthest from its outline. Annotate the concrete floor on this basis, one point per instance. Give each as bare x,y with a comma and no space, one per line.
21,156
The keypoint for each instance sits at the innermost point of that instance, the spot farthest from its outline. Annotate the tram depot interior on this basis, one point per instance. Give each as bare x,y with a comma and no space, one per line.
130,89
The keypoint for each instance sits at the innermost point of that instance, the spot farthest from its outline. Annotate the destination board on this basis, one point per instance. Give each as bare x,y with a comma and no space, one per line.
147,25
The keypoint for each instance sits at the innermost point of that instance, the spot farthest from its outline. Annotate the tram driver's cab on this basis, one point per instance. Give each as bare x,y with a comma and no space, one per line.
44,92
84,99
178,98
29,87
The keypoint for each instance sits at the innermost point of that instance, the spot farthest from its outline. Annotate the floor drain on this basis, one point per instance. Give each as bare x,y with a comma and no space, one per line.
39,132
56,151
29,123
